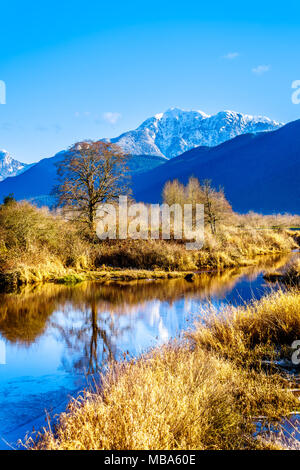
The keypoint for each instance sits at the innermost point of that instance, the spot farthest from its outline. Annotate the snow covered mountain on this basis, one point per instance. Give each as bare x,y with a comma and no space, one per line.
258,172
9,166
171,133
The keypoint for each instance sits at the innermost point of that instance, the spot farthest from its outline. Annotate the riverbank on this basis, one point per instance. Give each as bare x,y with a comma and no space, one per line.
289,277
25,275
10,281
204,392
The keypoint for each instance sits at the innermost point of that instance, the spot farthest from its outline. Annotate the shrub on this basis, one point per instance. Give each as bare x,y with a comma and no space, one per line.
31,236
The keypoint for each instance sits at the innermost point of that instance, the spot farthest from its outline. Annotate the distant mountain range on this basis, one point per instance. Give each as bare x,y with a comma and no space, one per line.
259,172
171,133
37,182
9,166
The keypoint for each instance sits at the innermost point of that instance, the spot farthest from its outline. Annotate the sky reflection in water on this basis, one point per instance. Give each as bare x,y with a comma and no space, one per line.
55,335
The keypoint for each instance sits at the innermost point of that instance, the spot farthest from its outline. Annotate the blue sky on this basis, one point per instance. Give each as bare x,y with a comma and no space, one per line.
76,70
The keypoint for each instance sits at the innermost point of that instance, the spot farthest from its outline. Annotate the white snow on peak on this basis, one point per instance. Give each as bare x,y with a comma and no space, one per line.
9,166
175,131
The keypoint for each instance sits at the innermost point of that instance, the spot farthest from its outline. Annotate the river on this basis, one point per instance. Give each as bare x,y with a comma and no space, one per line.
54,338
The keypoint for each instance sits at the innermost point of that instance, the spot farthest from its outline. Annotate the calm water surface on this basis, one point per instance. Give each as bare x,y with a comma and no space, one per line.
56,336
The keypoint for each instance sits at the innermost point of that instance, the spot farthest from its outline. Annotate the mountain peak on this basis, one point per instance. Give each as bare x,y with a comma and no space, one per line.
4,155
177,113
9,166
237,166
175,131
247,117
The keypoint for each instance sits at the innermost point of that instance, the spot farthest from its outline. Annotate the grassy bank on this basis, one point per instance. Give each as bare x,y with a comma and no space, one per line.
41,246
290,276
205,392
261,331
26,275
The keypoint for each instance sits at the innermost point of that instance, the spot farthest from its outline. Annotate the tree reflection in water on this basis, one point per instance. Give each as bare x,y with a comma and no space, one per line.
91,341
88,319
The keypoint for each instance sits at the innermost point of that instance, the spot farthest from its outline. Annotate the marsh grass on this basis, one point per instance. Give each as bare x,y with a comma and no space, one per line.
260,331
292,275
171,399
231,246
37,245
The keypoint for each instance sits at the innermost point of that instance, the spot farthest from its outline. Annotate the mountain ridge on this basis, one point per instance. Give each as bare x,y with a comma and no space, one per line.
258,171
175,131
10,167
37,182
166,135
151,171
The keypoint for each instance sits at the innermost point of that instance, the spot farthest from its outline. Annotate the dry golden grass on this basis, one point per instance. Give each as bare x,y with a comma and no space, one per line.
172,399
201,393
255,220
37,246
261,330
231,246
292,276
32,237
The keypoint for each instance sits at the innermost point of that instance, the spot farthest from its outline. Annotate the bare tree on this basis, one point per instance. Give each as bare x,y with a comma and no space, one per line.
91,173
173,193
216,206
193,191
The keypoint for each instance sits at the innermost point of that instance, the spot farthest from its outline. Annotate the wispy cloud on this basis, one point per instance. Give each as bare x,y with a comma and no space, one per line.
231,55
111,118
261,69
82,114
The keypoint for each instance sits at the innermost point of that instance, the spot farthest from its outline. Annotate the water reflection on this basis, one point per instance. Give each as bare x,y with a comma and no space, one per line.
55,335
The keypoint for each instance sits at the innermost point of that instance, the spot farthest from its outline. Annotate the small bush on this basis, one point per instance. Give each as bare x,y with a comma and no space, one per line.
35,237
